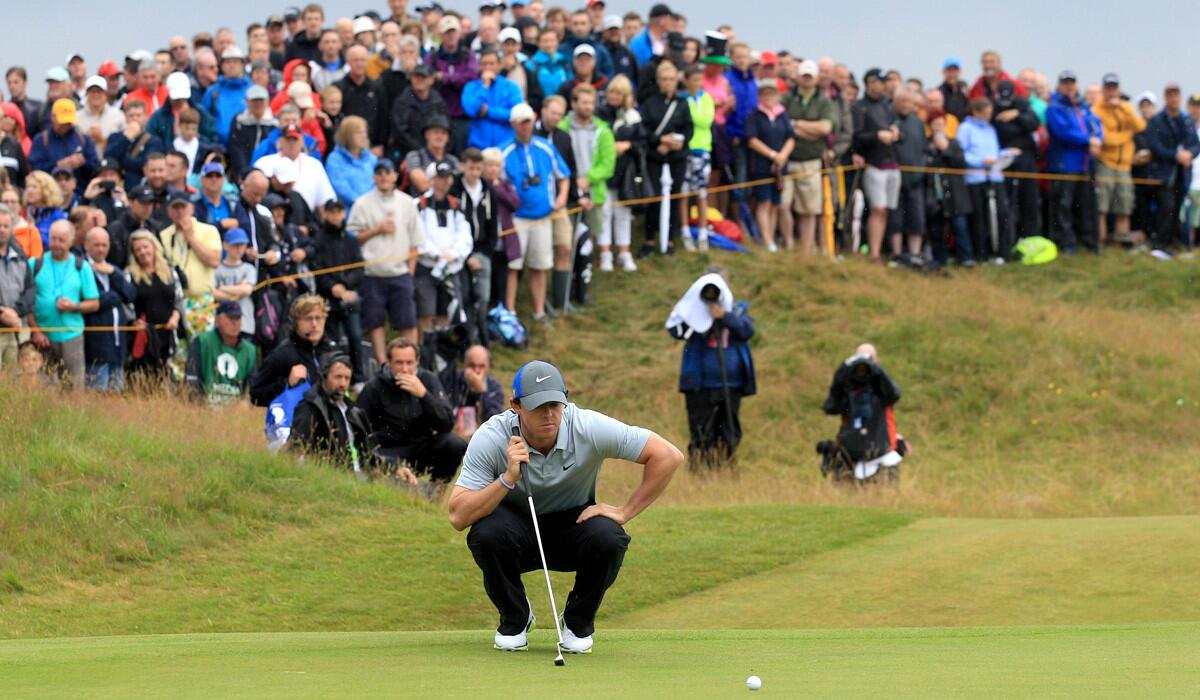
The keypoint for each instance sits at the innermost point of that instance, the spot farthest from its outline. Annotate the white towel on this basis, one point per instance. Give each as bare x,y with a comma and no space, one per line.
692,310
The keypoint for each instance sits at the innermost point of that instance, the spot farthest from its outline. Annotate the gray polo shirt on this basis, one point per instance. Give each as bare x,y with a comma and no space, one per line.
563,479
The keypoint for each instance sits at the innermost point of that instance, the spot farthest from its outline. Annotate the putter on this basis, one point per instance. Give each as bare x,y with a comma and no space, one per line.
537,532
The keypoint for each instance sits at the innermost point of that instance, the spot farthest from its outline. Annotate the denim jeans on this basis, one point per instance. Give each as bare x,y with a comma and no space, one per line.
106,376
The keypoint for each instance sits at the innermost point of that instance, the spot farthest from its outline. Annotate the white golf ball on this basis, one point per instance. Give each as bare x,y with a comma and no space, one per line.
753,682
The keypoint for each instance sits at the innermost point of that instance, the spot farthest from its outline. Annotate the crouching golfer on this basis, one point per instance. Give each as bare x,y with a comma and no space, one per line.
563,446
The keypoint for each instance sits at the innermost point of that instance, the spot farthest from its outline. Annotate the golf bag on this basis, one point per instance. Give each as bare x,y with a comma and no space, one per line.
581,270
443,349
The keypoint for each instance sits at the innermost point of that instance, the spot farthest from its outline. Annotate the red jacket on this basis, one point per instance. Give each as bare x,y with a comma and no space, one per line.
982,89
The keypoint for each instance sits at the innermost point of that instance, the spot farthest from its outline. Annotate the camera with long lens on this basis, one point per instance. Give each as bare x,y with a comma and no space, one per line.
710,293
861,370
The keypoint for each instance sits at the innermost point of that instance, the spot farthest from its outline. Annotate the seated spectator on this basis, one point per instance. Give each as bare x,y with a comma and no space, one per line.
476,395
220,360
106,352
436,149
447,245
235,278
43,203
226,98
413,110
99,119
249,129
130,146
17,291
311,180
351,163
329,426
63,146
297,359
157,306
66,290
410,415
488,101
334,248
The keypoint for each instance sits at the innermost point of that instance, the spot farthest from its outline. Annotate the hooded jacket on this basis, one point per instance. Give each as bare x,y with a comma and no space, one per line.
1165,135
319,427
604,156
1121,124
699,367
225,100
868,421
1018,132
303,47
271,377
14,152
245,135
457,69
399,419
334,248
745,92
351,177
1071,125
551,71
281,98
492,128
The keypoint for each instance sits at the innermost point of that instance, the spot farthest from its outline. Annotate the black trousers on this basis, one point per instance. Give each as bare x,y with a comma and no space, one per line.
1073,205
1168,198
981,225
678,170
714,441
504,546
1024,196
437,455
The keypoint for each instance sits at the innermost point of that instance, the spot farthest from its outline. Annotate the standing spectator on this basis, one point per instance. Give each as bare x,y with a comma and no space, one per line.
1017,126
981,152
107,351
17,80
305,45
226,98
363,97
351,163
194,248
949,203
437,145
311,180
135,216
624,62
540,176
63,146
388,227
444,253
235,278
1193,220
907,221
298,358
1114,182
248,130
1173,146
131,145
454,66
512,66
745,100
340,288
875,134
508,244
703,110
668,123
993,73
629,144
413,110
581,35
165,118
1075,139
150,89
331,67
771,140
954,90
43,203
647,81
98,119
410,415
66,290
549,66
477,201
14,143
813,117
488,101
220,360
17,290
554,108
652,41
583,65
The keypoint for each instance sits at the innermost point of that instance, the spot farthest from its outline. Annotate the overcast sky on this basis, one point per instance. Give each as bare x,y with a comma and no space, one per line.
1148,45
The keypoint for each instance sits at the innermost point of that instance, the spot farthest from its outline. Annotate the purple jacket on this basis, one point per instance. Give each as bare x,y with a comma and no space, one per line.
457,69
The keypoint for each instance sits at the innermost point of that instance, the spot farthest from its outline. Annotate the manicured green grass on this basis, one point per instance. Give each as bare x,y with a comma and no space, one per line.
1096,662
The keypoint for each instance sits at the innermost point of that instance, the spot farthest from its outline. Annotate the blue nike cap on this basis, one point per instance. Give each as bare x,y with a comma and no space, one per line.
538,383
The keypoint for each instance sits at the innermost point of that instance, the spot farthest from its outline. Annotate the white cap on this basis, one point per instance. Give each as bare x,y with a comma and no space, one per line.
233,52
179,87
807,68
449,23
521,113
363,24
585,50
301,93
510,34
95,82
612,22
138,56
285,170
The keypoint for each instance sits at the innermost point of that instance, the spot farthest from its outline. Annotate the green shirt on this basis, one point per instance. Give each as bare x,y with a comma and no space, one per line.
704,112
222,370
818,108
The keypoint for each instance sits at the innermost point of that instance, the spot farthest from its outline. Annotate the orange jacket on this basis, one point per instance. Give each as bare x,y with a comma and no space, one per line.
1120,124
30,240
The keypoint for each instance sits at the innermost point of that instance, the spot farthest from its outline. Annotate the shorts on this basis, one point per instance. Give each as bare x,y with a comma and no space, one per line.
803,191
390,297
432,297
882,188
1114,191
563,232
699,168
909,216
536,236
769,192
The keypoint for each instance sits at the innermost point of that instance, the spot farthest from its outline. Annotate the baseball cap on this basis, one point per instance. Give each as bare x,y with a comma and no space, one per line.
538,383
510,34
300,92
612,22
141,193
873,74
179,87
431,7
768,84
178,197
449,23
137,56
95,82
1194,98
770,58
585,50
64,111
286,171
520,3
236,235
274,21
441,168
521,113
57,74
437,121
292,131
233,53
109,164
1110,79
335,203
1147,96
951,62
291,12
675,41
1172,87
61,170
385,164
108,69
1066,75
73,57
660,10
807,68
362,23
210,168
593,3
420,71
274,201
232,309
257,92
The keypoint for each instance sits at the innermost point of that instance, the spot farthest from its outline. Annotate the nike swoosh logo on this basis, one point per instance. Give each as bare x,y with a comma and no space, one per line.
539,380
568,466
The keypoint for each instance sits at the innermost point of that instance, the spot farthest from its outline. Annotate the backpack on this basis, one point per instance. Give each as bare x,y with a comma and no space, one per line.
1035,250
503,325
267,318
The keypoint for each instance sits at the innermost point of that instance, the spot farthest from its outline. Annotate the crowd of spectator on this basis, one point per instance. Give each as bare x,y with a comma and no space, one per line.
180,199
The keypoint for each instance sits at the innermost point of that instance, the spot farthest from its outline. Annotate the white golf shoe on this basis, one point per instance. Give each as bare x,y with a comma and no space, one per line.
573,644
606,261
517,642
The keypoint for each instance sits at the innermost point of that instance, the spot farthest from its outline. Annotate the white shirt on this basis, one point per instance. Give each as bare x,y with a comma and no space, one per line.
189,149
312,184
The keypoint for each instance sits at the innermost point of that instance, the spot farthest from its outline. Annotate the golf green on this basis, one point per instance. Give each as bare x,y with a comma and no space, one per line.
1092,661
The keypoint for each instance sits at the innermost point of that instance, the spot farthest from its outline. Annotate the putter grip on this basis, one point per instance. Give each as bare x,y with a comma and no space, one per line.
516,432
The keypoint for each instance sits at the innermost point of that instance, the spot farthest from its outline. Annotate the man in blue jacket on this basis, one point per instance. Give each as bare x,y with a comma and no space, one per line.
179,93
226,98
1075,138
1173,145
745,91
488,102
62,145
652,40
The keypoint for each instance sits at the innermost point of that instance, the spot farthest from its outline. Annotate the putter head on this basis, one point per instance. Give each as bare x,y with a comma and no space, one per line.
558,660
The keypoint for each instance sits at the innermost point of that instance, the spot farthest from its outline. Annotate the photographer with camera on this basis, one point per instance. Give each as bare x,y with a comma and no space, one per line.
716,369
864,396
